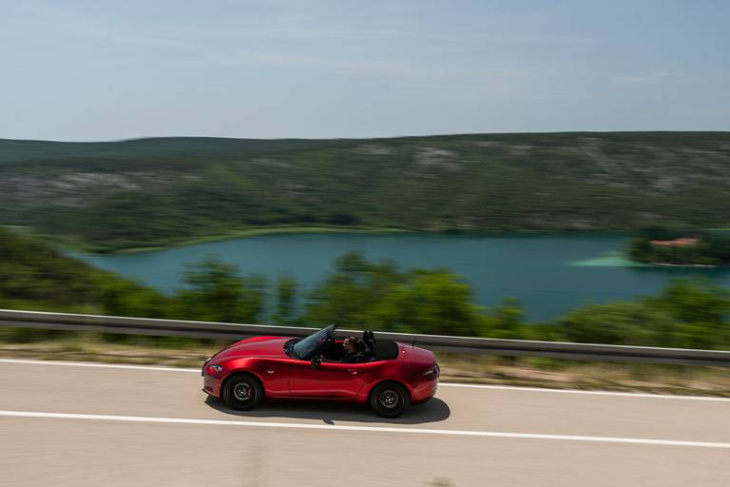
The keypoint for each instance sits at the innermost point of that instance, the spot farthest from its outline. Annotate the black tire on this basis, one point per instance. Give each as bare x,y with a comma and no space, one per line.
242,392
390,399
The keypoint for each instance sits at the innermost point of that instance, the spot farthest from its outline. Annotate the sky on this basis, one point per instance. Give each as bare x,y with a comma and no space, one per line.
83,70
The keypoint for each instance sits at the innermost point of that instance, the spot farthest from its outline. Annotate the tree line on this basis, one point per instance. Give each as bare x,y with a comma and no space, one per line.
357,294
701,247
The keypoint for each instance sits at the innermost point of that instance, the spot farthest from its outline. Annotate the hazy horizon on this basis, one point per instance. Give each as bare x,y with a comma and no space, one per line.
466,134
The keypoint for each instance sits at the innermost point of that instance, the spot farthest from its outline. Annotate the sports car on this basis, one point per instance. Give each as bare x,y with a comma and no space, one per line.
386,375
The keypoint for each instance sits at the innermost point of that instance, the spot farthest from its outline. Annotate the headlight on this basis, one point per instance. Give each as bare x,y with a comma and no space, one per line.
430,370
214,369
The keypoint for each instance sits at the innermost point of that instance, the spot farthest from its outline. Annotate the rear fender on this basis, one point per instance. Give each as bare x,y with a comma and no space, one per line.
399,370
364,395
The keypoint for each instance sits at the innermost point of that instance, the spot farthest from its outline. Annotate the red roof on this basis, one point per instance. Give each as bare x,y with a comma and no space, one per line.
677,242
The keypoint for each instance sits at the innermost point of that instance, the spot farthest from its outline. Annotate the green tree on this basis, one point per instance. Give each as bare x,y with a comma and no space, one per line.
254,291
286,297
700,309
430,301
124,298
506,320
348,295
379,296
216,292
617,323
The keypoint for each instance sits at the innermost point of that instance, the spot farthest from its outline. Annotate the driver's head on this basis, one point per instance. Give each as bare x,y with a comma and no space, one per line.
350,344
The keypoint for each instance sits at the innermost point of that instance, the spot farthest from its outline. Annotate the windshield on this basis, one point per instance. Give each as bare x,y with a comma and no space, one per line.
307,347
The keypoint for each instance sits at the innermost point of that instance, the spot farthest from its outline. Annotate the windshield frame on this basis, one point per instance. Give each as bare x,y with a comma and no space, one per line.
311,346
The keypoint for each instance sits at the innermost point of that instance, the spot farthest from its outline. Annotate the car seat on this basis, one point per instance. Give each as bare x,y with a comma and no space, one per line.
368,340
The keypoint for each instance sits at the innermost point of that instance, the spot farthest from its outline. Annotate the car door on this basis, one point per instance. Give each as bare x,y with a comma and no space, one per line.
332,380
275,375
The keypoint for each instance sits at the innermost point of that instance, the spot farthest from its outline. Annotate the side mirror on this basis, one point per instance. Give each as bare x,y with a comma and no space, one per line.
315,362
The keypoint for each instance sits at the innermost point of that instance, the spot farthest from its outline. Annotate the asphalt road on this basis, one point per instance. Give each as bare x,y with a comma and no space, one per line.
100,425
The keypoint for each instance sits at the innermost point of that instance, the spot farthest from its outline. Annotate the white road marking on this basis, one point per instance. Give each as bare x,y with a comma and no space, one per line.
97,365
376,429
441,384
578,391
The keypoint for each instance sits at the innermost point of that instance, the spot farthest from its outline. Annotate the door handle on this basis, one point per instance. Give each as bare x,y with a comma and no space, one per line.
353,371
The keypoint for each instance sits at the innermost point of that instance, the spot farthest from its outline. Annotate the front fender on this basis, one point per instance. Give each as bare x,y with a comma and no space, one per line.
273,375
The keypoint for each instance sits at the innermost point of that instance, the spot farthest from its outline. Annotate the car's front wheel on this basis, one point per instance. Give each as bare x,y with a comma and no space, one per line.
242,392
389,399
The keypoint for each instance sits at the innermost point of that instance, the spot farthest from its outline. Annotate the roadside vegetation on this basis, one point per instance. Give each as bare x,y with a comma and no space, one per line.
114,196
357,294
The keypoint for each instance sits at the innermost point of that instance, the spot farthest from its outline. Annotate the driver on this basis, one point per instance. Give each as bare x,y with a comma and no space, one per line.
353,350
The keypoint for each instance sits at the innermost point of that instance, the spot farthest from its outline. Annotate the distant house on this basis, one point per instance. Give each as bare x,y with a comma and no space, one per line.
677,242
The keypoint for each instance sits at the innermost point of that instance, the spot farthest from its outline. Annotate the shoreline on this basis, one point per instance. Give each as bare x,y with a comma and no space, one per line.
323,230
253,232
77,247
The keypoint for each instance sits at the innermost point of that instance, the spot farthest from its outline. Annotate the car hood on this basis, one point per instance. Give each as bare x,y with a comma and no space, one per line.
255,347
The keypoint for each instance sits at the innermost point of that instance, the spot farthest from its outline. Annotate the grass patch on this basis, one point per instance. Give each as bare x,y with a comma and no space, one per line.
566,374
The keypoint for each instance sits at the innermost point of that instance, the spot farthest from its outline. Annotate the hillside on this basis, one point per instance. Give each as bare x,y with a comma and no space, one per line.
36,276
163,147
116,195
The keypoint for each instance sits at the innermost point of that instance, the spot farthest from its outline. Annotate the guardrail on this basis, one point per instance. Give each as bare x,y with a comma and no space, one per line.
202,329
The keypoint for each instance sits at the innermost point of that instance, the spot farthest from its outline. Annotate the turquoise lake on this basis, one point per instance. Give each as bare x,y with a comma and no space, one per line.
550,274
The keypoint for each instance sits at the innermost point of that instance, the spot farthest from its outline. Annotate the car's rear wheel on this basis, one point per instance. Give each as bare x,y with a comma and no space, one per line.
389,399
242,392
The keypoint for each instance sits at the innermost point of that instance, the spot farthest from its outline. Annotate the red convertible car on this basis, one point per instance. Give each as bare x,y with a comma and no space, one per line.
388,376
